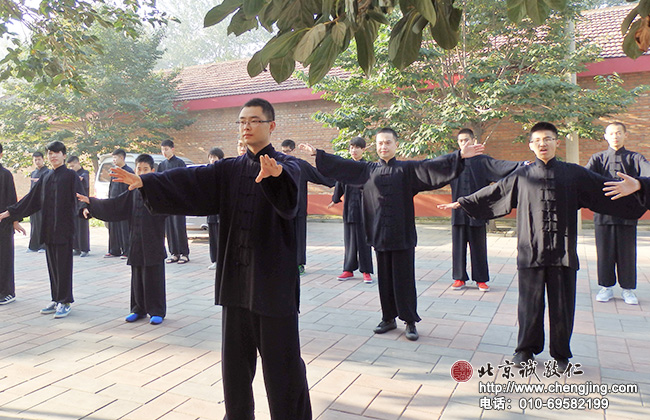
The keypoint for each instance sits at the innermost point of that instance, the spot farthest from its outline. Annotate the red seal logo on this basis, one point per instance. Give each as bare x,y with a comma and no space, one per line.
462,371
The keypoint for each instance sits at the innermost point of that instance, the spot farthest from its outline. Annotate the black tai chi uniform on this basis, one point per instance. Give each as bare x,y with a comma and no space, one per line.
389,217
146,251
358,254
547,198
307,174
479,172
36,219
213,236
82,229
257,280
175,226
55,195
615,236
118,232
7,198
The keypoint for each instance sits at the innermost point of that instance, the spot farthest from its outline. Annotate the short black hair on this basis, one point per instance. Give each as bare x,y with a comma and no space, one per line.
56,147
120,152
72,159
620,124
541,126
215,151
145,158
466,131
167,143
289,143
266,106
358,142
38,154
388,130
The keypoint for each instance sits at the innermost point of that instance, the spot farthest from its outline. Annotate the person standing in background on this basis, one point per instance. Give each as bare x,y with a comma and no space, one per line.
36,219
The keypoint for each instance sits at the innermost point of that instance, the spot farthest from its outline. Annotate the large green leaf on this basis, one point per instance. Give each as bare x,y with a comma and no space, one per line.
537,10
310,41
282,68
630,46
426,9
445,31
253,7
644,7
556,4
322,60
339,31
404,44
278,46
628,20
365,38
240,23
219,13
516,10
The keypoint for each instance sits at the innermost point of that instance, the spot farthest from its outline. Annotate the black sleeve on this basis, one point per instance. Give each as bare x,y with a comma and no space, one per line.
344,170
493,201
591,196
339,191
113,209
312,175
282,191
497,169
29,204
435,173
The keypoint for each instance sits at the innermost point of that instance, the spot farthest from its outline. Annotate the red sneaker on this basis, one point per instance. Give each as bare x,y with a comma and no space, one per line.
345,275
458,285
483,287
367,278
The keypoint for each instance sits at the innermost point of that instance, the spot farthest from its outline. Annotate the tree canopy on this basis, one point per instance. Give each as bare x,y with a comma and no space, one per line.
499,71
315,32
124,103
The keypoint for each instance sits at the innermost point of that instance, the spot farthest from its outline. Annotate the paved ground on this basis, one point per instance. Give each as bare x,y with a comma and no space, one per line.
93,365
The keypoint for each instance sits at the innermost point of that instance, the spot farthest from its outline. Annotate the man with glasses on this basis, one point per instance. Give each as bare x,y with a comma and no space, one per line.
547,195
257,281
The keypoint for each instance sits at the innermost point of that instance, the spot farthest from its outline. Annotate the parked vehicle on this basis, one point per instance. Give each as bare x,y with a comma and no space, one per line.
103,178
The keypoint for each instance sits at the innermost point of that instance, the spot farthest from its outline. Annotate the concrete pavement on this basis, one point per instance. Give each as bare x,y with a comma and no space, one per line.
93,365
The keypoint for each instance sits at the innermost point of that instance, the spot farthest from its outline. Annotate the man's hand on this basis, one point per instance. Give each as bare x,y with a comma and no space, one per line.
4,214
83,198
132,180
331,204
308,148
449,206
18,228
86,213
471,150
620,189
268,167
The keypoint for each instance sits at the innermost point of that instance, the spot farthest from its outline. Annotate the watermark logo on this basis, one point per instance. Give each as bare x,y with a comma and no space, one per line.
461,371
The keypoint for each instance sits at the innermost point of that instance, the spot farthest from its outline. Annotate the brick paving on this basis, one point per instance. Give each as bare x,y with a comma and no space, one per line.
93,365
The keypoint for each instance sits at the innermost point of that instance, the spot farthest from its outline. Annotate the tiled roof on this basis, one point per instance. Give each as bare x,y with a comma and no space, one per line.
603,26
231,78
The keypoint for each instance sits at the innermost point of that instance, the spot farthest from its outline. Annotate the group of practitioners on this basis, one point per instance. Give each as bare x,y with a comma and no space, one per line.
256,200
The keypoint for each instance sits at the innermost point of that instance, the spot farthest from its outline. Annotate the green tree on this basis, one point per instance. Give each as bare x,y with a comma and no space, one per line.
499,71
124,104
59,36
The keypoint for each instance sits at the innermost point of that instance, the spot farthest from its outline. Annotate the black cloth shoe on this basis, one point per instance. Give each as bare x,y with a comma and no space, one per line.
522,357
562,364
385,326
411,333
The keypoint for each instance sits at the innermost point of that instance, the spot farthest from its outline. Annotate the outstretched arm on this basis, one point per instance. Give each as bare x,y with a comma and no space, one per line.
471,150
620,189
125,177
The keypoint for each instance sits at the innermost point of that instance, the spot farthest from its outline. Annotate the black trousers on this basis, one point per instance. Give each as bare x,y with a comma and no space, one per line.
396,280
616,252
213,234
301,239
476,238
118,238
59,266
148,290
176,232
35,221
81,235
277,340
560,285
357,251
7,284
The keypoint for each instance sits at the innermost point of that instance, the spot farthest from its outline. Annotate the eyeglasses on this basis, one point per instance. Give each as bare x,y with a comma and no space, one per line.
545,140
252,123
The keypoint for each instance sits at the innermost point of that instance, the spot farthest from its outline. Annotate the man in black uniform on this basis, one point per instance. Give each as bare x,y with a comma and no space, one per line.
389,216
214,155
307,174
479,171
358,254
615,236
7,198
81,242
257,281
147,248
118,232
547,195
36,219
55,195
175,226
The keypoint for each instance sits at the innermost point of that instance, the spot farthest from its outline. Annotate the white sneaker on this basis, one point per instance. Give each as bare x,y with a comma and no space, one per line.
605,294
213,266
629,297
